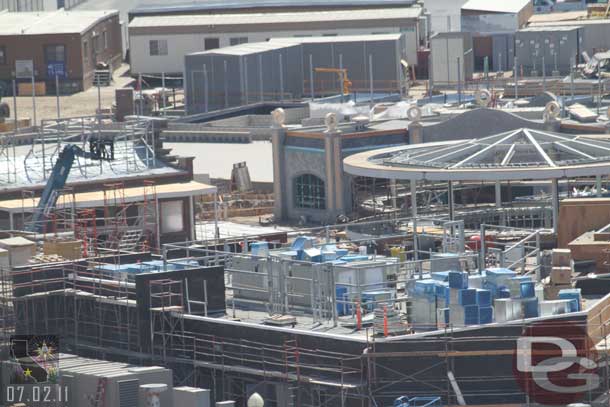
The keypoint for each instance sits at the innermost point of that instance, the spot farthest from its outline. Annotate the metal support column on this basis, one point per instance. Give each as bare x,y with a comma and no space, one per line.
516,77
281,77
450,200
555,202
598,186
192,218
226,84
206,99
414,215
311,77
371,86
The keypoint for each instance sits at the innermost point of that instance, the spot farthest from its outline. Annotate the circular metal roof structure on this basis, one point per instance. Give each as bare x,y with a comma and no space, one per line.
515,155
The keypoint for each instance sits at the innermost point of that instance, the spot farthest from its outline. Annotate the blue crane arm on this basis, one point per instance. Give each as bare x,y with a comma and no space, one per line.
57,180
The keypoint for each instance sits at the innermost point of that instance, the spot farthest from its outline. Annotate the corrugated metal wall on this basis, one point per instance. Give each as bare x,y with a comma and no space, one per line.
235,80
557,47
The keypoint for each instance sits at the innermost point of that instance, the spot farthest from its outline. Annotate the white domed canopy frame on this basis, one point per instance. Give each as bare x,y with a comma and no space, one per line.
522,154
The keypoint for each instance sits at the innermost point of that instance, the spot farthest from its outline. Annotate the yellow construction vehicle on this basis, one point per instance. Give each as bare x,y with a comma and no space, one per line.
347,84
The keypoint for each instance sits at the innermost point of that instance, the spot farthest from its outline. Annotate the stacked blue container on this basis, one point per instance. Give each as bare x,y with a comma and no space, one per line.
571,294
528,289
458,279
471,315
484,298
467,296
486,315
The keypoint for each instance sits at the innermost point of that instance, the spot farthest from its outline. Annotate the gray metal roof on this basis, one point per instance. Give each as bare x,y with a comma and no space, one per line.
518,154
496,6
216,20
161,6
51,22
248,48
338,38
539,28
519,148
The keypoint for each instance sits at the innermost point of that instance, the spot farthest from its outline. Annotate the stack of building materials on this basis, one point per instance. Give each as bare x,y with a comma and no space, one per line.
4,260
67,248
515,295
561,273
424,304
388,321
20,250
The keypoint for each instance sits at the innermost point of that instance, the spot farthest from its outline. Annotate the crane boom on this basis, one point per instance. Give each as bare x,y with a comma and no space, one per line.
59,176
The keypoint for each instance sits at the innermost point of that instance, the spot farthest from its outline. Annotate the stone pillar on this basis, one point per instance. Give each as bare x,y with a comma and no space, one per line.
329,171
416,133
278,136
338,172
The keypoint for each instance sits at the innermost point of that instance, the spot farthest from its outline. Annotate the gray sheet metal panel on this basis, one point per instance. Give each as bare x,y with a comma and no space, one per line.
595,37
503,46
294,71
532,45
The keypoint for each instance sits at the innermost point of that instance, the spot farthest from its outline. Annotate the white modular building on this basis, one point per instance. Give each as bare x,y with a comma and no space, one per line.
159,43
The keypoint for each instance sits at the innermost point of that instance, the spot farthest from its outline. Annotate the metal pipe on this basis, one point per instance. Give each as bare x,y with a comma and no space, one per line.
57,98
371,86
226,84
163,93
516,76
413,185
261,94
15,106
205,88
342,84
555,202
543,75
459,81
311,77
281,77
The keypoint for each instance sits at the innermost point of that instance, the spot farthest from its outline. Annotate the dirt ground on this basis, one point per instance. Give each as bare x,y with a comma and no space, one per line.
79,104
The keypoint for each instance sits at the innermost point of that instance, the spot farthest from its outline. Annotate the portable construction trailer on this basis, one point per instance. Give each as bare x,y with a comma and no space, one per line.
242,75
451,53
283,69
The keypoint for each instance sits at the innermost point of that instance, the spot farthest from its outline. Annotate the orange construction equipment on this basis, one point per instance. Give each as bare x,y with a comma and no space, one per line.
347,84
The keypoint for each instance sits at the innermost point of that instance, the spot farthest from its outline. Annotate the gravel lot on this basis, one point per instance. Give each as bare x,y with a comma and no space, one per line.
79,104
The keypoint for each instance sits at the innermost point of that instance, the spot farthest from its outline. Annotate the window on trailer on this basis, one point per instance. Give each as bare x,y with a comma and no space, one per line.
158,47
2,56
211,43
238,40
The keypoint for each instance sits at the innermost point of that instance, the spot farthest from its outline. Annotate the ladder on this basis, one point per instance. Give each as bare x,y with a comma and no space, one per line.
100,394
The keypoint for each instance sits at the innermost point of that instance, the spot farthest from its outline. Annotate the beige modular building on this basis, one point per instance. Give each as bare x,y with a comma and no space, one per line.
160,43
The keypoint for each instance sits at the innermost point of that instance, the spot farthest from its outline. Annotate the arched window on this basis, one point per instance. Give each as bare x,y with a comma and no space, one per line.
309,192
